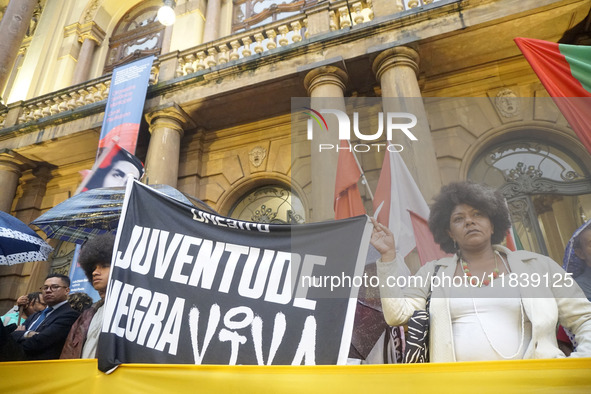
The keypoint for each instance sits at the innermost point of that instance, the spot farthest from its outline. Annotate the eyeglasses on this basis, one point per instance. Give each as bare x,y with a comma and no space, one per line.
52,287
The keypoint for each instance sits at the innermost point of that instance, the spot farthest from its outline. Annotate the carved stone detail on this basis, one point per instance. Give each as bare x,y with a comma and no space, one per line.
507,103
257,156
543,203
526,180
519,209
91,10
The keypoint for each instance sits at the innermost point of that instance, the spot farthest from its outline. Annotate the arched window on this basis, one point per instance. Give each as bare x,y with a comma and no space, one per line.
138,34
270,204
548,191
252,13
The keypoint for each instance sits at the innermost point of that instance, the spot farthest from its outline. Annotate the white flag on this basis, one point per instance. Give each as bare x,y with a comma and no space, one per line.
397,188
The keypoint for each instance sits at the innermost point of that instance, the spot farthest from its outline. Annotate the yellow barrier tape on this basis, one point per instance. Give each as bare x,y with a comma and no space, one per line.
82,376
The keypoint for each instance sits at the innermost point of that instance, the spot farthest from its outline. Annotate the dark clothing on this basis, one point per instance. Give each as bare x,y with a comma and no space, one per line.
77,336
9,349
52,333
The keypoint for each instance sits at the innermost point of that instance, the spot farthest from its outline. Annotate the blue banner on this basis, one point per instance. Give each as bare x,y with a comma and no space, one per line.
78,281
125,104
121,125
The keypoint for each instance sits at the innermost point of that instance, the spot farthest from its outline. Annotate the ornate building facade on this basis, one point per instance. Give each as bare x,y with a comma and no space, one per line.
218,112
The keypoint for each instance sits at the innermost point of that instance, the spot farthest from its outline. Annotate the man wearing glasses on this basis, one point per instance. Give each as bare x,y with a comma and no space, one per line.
44,333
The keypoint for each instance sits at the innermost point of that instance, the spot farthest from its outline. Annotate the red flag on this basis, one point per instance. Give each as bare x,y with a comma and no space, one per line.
399,193
565,72
426,247
510,240
513,241
347,200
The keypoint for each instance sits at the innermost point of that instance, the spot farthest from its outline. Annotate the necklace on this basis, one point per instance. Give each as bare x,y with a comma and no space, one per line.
488,338
474,281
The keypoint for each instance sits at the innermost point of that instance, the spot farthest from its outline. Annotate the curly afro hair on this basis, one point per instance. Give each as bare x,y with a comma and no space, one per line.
484,198
95,251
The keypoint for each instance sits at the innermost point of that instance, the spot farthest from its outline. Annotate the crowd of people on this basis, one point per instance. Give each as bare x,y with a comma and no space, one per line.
59,324
483,316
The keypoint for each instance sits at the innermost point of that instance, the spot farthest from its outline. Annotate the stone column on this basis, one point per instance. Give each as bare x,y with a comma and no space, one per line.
28,208
13,279
166,40
326,87
91,36
13,28
167,126
34,186
544,207
9,175
12,166
396,69
211,30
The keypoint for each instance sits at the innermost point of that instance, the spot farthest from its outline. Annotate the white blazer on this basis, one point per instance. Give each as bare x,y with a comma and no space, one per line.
556,299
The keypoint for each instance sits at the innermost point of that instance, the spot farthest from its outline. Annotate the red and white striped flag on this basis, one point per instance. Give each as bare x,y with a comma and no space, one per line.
399,192
511,240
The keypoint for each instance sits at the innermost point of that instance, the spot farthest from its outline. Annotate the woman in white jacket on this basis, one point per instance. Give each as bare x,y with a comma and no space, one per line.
487,302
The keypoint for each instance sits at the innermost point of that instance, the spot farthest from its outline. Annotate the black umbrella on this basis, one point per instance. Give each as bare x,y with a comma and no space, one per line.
96,211
19,243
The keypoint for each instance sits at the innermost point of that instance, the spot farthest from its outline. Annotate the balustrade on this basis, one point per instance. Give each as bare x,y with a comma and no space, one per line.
409,4
63,101
242,45
259,40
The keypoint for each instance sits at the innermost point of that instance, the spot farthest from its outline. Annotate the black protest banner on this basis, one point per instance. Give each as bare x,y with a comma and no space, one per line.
190,287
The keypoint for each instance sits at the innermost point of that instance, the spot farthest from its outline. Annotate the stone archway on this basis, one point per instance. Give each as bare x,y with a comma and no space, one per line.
547,187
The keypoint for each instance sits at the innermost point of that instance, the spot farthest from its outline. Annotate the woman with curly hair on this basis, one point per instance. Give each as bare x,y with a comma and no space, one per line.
487,302
95,261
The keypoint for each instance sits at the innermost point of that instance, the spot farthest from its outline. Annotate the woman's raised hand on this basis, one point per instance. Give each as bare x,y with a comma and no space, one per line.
383,240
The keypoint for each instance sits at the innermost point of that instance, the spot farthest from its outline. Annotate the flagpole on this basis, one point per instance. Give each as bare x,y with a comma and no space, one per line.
363,178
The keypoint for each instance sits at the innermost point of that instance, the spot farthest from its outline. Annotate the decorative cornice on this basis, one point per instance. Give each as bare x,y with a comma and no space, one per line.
13,162
325,75
395,57
88,30
92,31
171,116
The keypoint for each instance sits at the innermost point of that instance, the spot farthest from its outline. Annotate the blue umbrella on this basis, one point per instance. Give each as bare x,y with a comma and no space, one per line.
96,211
19,243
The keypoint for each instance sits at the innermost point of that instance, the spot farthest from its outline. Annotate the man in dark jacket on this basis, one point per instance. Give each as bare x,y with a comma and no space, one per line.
44,333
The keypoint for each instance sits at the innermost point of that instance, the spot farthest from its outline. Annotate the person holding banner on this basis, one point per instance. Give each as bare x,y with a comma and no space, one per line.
487,302
95,260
